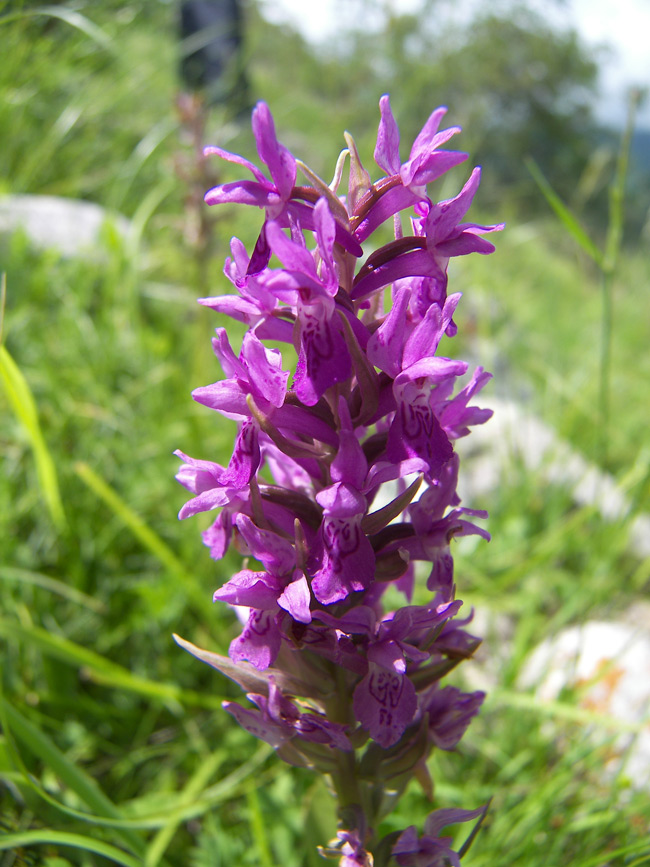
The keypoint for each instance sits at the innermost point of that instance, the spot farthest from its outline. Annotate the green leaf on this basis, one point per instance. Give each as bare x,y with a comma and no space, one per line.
561,710
258,831
46,582
103,670
143,532
566,217
38,743
24,407
192,803
189,795
70,16
46,836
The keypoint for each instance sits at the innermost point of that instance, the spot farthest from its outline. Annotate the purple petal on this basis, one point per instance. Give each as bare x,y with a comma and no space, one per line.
264,368
450,713
441,577
439,819
298,420
198,476
425,169
424,339
282,165
349,465
426,138
386,344
274,552
293,256
444,217
387,148
206,501
415,263
341,501
245,458
416,432
465,244
360,620
229,362
226,397
317,729
347,561
324,359
296,598
252,589
259,642
263,728
241,193
217,536
394,200
385,703
434,369
212,150
325,226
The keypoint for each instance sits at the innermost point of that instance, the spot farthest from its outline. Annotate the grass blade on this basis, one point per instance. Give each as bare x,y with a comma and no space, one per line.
566,217
145,535
70,16
45,836
191,792
70,774
258,831
46,582
562,710
599,860
103,670
192,803
24,407
149,539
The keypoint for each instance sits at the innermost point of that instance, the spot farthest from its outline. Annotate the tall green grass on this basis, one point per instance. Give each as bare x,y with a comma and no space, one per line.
114,748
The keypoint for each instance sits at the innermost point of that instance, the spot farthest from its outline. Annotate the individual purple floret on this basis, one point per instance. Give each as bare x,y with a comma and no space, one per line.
431,850
343,475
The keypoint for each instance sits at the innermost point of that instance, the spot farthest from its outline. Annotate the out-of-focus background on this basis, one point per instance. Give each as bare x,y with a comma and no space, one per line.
114,747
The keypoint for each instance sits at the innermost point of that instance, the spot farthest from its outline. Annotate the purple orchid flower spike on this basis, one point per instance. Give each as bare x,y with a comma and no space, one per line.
343,478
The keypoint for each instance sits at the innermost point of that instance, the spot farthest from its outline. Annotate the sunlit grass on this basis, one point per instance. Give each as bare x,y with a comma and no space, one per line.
112,737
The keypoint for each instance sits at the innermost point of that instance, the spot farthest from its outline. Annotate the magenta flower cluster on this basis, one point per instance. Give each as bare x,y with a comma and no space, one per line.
343,474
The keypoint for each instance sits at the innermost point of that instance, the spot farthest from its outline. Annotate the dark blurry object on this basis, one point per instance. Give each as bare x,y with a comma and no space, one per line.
212,51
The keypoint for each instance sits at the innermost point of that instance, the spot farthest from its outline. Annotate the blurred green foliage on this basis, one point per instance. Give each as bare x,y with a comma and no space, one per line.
112,735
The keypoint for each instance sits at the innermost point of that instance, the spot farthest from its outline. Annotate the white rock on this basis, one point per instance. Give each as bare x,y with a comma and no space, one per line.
608,665
68,225
512,436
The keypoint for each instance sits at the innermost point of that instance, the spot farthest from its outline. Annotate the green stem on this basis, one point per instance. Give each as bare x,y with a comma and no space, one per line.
605,364
608,271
